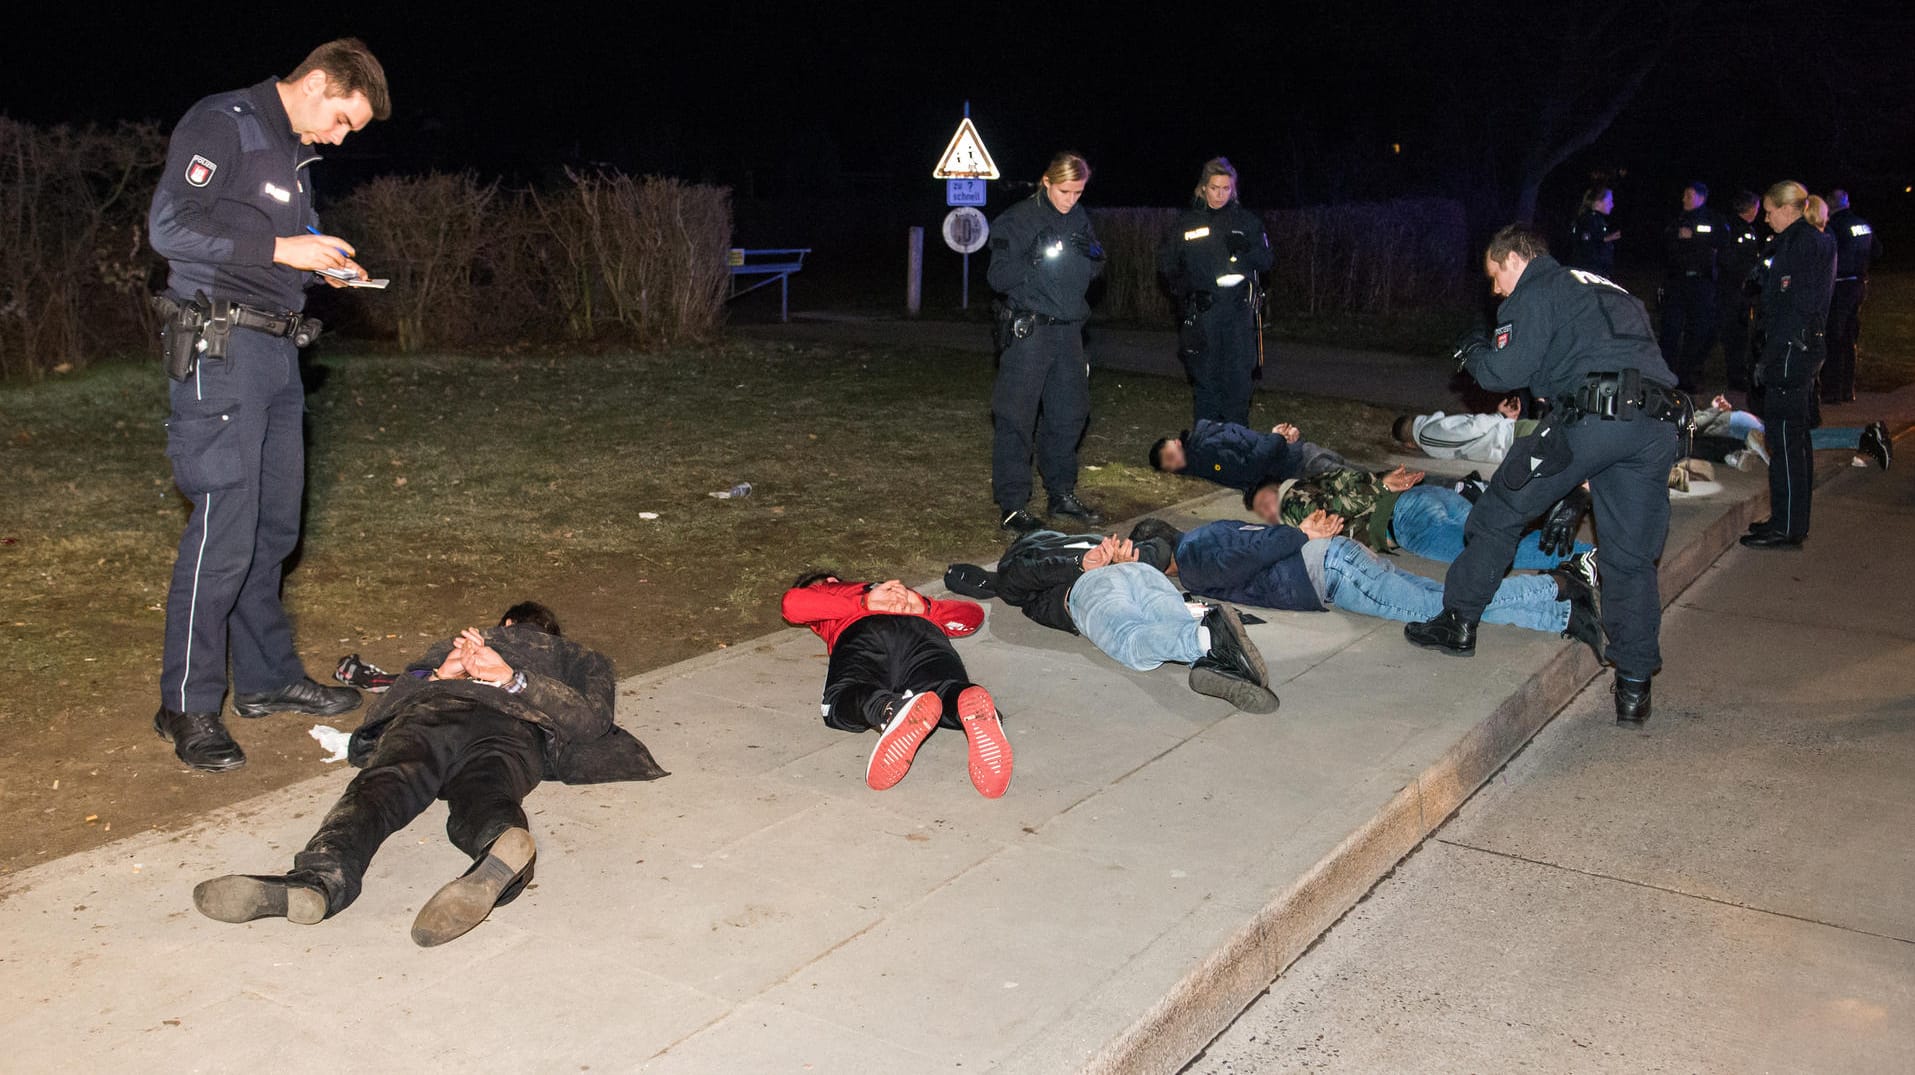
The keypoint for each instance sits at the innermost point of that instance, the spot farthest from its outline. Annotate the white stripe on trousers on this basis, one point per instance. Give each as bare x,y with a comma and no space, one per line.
192,607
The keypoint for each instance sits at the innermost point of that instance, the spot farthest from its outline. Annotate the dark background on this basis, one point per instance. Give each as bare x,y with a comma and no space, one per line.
826,123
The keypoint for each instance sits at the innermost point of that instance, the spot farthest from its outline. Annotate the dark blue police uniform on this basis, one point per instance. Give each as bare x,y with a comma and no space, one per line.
1796,286
1209,263
1856,245
1689,294
1735,299
235,180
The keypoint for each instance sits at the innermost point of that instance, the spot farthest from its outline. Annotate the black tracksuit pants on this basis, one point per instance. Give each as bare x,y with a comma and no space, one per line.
882,656
481,762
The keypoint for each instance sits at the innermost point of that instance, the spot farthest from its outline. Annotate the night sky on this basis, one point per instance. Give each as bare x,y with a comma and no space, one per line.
1335,102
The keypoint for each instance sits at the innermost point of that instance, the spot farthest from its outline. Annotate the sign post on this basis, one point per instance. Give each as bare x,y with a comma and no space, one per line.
965,167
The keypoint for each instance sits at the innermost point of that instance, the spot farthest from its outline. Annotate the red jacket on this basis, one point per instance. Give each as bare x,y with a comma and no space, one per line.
830,607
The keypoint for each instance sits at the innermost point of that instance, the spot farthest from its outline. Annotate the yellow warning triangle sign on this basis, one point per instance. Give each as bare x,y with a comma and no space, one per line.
965,157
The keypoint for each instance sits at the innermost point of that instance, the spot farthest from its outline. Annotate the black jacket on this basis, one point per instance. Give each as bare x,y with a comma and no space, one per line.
1856,244
1695,255
236,179
1235,456
1198,252
569,695
1042,260
1556,328
1796,289
1741,253
1588,245
1037,572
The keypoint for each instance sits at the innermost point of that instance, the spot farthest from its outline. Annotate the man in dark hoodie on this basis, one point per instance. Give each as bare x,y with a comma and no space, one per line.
1241,458
478,721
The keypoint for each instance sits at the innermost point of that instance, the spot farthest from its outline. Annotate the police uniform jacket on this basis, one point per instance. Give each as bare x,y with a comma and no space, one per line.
236,179
1040,261
1199,251
1234,455
1742,253
569,694
1558,326
1856,244
1588,245
1795,301
1250,563
1695,255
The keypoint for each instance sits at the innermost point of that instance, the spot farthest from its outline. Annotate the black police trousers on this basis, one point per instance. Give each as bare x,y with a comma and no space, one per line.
1738,320
1220,373
1788,415
880,656
1626,464
481,762
1041,400
1688,327
1845,329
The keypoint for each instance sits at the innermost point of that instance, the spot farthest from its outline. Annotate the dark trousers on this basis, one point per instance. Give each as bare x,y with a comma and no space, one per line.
1045,372
1688,327
1220,373
881,656
1845,329
1627,466
482,763
1738,318
1788,413
238,450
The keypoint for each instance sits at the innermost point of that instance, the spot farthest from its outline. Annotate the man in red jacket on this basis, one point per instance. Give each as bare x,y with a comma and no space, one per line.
893,669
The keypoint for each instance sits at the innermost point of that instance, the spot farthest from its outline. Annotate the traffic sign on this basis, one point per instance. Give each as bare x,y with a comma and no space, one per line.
965,230
965,157
964,192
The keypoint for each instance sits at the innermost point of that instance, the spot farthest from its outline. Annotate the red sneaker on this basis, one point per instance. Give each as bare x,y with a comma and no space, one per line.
900,740
990,747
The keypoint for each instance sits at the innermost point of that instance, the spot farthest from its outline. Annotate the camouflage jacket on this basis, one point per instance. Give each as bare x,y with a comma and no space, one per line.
1357,495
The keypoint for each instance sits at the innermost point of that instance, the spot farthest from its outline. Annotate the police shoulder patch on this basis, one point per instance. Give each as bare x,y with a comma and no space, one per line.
199,171
1504,333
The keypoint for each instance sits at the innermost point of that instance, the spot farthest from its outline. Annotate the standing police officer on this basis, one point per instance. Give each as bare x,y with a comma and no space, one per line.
1592,242
1585,345
1043,259
1735,298
1795,313
1210,265
1856,244
1691,243
233,217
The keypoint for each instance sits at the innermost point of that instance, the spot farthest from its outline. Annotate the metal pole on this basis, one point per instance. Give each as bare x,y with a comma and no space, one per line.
914,272
965,303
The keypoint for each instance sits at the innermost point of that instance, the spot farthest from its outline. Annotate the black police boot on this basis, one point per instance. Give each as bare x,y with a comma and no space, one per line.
1019,521
1448,633
239,897
300,696
1585,625
466,901
1770,539
199,740
1632,699
1075,510
1233,669
1876,445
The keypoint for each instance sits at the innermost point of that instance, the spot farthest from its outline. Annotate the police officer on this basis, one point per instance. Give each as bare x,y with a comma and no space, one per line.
1735,297
233,218
1043,259
1210,264
1592,242
1796,287
1856,245
1585,345
1691,243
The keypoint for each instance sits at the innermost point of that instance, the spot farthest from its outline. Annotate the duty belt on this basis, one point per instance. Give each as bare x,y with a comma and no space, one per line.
1042,319
1620,396
240,315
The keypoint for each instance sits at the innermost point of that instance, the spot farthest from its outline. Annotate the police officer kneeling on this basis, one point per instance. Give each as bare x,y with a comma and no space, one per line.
1585,345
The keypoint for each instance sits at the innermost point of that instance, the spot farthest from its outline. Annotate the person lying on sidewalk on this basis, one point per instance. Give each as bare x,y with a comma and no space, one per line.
893,671
1311,567
1724,426
1481,438
1113,591
478,721
1241,458
1395,511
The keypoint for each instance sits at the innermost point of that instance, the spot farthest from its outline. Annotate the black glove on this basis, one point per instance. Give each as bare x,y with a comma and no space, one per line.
1559,529
1236,242
1087,245
1045,245
1468,344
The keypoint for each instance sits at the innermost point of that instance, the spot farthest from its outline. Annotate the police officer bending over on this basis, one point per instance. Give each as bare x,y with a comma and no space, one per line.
233,217
1585,345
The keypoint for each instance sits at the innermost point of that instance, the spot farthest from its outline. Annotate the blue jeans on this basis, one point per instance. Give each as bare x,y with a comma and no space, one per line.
1358,580
1135,615
1825,438
1428,522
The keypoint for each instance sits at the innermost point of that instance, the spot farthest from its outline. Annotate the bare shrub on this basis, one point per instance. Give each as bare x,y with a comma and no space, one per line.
427,234
1131,238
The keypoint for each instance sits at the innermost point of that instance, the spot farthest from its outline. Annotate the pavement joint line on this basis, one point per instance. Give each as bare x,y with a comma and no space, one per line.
1600,876
1872,632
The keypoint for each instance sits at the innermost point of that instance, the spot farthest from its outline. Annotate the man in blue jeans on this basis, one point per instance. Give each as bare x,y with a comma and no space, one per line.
1311,567
1424,520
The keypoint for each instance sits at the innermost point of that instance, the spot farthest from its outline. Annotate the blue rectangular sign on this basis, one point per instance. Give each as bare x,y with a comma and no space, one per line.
964,192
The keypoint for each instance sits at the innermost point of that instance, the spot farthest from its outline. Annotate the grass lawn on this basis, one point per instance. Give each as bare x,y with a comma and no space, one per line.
443,488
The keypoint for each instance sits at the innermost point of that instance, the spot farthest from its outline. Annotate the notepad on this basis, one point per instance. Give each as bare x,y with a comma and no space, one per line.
351,279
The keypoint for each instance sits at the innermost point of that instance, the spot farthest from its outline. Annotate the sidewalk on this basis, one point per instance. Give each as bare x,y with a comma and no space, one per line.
1727,890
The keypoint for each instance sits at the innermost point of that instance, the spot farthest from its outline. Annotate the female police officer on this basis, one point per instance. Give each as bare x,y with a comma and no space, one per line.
1209,264
1796,288
1043,259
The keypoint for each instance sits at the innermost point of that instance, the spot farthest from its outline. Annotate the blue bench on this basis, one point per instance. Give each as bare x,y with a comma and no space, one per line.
776,266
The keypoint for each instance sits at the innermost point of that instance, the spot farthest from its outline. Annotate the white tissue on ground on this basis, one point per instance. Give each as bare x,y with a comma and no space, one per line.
332,739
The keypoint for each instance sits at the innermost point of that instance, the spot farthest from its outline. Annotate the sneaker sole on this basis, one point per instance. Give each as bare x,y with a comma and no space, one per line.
990,747
465,901
1250,653
254,712
1240,693
238,898
899,742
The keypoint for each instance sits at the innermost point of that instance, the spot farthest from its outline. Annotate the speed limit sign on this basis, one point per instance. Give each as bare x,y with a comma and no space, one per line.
965,230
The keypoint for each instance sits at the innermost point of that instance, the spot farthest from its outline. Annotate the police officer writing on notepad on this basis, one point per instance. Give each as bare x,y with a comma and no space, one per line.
1584,345
1043,259
233,218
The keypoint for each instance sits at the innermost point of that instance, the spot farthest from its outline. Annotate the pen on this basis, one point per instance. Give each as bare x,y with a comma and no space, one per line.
316,231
